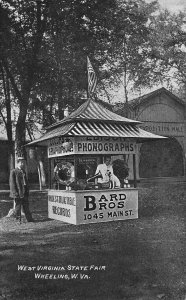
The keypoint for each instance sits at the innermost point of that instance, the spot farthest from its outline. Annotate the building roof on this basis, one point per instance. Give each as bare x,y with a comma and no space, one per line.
139,100
121,108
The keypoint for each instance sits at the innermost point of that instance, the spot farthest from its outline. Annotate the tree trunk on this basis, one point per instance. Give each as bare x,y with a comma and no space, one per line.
9,128
7,120
60,101
125,91
125,77
20,138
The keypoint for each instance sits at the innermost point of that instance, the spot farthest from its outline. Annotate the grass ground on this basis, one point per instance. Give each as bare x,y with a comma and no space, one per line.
144,259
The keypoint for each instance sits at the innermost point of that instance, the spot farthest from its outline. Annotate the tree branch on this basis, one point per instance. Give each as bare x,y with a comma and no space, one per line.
12,80
4,119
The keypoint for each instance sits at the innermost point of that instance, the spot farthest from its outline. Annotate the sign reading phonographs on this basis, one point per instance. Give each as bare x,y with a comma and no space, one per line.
90,145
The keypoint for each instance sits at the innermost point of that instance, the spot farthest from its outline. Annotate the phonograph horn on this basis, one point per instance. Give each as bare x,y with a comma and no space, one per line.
98,175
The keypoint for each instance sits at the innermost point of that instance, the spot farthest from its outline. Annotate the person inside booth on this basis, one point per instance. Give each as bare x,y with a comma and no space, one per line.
105,174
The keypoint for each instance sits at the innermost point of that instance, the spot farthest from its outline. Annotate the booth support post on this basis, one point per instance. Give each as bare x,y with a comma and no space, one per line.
49,174
39,173
134,169
75,166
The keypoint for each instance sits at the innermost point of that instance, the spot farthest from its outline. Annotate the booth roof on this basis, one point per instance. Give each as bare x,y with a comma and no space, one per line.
91,111
97,129
92,119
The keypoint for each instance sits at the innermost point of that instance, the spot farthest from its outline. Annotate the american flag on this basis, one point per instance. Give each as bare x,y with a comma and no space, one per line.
92,79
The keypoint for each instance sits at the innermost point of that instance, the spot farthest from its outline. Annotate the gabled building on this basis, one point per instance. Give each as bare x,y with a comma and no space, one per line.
161,113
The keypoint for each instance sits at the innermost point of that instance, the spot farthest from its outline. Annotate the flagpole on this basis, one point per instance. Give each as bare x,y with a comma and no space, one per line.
87,80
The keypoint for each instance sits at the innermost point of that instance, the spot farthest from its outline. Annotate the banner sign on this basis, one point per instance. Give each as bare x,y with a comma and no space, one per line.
60,146
84,207
90,145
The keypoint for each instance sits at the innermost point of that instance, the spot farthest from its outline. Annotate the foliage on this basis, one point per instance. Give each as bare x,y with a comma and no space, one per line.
130,44
44,45
77,29
168,48
21,42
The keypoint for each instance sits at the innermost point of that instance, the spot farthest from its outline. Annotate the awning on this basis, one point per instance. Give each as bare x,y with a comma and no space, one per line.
110,130
98,129
59,131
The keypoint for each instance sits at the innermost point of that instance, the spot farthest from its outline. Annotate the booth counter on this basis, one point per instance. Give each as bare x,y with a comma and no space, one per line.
93,206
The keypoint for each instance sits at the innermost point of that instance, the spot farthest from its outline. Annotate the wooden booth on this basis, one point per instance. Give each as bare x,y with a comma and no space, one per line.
78,146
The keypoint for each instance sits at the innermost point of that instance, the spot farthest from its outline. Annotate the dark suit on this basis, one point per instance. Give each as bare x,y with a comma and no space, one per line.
19,191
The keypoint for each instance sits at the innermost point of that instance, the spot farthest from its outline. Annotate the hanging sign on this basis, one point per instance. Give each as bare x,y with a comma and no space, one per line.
60,146
90,145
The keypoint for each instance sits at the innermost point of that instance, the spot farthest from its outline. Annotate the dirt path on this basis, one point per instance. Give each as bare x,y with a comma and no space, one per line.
140,259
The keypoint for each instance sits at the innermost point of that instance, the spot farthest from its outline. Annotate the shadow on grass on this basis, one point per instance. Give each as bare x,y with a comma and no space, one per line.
42,220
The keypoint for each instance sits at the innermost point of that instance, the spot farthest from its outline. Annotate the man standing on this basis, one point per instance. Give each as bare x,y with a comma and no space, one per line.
19,190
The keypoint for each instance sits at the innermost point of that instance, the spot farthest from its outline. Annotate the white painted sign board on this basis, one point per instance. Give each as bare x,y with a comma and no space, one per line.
93,206
90,145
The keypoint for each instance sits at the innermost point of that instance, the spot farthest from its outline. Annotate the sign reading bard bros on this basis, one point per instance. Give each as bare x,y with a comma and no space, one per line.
83,207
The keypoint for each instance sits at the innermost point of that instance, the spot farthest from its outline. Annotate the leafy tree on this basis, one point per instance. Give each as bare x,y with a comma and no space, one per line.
168,43
22,28
129,44
43,53
78,28
44,45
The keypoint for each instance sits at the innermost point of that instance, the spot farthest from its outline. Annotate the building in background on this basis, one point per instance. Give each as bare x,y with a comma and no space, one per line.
162,113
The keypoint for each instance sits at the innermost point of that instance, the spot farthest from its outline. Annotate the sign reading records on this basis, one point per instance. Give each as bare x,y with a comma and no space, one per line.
90,145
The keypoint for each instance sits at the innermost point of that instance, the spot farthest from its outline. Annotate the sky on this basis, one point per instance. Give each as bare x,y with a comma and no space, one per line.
173,5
